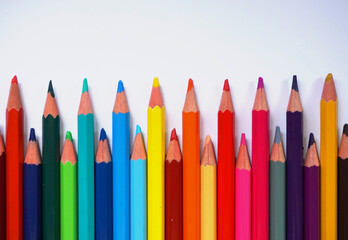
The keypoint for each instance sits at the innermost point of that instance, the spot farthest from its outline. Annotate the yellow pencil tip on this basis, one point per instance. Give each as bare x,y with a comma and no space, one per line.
328,77
155,82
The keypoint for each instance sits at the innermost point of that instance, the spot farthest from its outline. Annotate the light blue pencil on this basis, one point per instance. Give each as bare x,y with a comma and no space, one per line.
85,166
138,212
120,166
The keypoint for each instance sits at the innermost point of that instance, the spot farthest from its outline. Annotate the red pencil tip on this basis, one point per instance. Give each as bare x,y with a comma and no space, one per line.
173,136
243,141
226,85
260,84
14,79
190,85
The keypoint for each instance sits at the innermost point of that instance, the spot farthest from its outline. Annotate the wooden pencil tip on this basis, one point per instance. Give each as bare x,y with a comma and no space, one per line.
207,140
155,82
294,83
85,85
32,136
190,85
14,79
277,137
243,141
138,130
120,87
345,129
311,140
173,135
260,83
226,85
102,135
329,77
50,89
68,136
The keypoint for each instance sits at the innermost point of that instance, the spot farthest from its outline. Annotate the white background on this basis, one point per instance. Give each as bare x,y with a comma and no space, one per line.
208,41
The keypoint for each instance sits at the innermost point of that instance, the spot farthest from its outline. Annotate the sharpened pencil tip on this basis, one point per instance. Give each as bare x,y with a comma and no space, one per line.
14,79
277,136
242,140
50,89
120,87
226,85
311,140
32,136
260,83
329,77
102,135
173,135
85,85
138,130
294,83
345,129
155,82
68,136
190,85
207,140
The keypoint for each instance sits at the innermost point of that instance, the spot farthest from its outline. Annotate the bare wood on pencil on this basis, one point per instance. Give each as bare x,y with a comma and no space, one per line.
50,107
226,100
343,152
260,99
121,104
14,98
156,96
2,145
243,160
173,153
103,152
190,101
208,157
85,104
294,104
33,154
68,154
329,90
312,158
139,151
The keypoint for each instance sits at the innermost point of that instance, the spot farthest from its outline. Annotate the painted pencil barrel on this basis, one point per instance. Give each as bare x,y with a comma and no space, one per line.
277,200
32,201
121,155
311,203
103,201
86,177
138,210
68,198
342,199
243,204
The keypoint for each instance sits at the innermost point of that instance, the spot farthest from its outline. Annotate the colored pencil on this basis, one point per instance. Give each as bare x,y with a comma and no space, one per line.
50,168
208,192
155,165
2,189
121,154
138,208
103,190
173,189
277,191
14,163
32,190
343,186
294,166
260,169
85,170
68,190
191,166
311,192
226,156
328,157
243,193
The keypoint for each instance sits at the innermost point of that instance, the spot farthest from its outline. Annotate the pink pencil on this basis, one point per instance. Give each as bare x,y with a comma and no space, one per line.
243,193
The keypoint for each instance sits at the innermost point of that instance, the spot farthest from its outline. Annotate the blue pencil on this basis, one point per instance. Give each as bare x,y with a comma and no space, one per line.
138,208
32,190
103,190
121,154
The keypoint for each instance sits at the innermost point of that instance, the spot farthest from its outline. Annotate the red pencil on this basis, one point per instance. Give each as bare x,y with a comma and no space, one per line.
2,189
14,163
260,162
173,190
226,158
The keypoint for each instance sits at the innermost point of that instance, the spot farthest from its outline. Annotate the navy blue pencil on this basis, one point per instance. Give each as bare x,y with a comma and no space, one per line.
32,190
103,190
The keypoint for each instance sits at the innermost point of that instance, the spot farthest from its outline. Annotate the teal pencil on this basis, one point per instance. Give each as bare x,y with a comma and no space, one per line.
277,192
85,168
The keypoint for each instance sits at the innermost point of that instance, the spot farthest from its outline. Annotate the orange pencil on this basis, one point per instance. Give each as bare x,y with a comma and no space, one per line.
14,164
191,166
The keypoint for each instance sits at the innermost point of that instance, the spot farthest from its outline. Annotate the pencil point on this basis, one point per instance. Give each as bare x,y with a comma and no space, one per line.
207,140
68,136
14,79
260,83
173,135
32,136
190,85
226,85
85,85
243,141
102,135
50,89
294,83
345,129
311,140
138,130
120,87
329,77
277,137
155,82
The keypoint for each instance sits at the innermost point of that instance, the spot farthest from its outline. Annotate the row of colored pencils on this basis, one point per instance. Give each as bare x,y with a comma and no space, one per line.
152,195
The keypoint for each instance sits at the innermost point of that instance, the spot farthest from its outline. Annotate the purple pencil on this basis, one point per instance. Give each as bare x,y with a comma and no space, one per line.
294,166
311,192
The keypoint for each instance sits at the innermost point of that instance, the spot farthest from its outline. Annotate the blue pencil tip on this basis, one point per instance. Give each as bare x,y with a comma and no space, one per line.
32,136
102,135
120,87
138,130
277,137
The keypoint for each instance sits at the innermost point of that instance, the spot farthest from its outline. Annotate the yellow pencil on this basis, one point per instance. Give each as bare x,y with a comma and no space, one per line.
328,157
208,192
155,164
